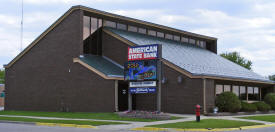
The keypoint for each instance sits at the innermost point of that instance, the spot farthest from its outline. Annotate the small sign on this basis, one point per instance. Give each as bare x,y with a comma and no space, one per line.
142,90
143,84
143,52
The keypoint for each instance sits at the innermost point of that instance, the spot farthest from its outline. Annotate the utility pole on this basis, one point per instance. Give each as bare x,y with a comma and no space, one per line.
21,31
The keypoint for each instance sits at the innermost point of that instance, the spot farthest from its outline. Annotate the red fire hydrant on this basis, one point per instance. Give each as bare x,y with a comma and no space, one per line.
198,114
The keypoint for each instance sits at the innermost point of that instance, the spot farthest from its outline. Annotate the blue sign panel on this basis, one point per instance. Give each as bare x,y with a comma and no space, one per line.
142,90
140,70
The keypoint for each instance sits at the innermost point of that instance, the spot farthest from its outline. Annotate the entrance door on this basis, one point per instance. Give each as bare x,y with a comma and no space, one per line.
122,96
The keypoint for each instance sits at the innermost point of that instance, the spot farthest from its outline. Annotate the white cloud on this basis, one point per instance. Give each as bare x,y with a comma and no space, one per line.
69,2
252,36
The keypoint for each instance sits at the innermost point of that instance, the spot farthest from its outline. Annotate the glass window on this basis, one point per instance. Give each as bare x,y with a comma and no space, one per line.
242,93
184,39
235,90
93,24
197,42
227,88
109,24
256,93
160,34
86,27
132,28
192,41
99,23
177,38
121,26
152,32
142,30
219,89
203,44
250,93
168,36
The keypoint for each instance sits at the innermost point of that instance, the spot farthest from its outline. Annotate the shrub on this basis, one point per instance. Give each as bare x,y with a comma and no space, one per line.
228,102
270,99
262,106
246,107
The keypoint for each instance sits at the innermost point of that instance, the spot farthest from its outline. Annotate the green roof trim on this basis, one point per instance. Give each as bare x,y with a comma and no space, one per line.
103,65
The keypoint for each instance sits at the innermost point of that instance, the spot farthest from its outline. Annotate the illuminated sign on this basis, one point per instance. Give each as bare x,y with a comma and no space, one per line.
143,52
140,70
143,84
142,90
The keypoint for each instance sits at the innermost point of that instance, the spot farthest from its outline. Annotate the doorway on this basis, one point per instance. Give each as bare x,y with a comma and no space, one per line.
123,97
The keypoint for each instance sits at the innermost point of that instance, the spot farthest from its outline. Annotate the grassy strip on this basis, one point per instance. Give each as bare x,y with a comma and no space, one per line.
269,118
207,123
77,122
77,115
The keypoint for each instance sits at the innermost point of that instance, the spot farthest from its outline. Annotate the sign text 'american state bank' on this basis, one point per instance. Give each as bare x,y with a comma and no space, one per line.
143,52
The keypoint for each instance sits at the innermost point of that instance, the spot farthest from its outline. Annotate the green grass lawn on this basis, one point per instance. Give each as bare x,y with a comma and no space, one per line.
207,123
269,118
77,122
79,115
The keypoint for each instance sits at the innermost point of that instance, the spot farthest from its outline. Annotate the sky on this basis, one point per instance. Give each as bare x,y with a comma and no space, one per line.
245,26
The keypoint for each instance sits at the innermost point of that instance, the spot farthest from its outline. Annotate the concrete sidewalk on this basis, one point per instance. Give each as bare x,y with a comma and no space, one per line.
132,124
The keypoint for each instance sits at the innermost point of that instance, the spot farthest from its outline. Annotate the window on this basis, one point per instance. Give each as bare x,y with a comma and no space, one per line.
242,93
227,88
160,34
152,32
168,36
256,93
99,23
219,89
132,28
121,26
184,39
94,24
86,27
197,42
235,90
192,41
203,44
142,30
177,38
109,24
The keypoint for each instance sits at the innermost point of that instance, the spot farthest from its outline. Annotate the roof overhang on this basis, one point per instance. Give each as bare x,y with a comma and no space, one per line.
111,77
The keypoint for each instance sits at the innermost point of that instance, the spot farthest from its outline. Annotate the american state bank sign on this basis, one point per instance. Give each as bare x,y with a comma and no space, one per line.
145,52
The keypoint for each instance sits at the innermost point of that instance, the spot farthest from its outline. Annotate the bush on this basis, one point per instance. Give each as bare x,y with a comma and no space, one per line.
262,106
246,107
270,99
228,102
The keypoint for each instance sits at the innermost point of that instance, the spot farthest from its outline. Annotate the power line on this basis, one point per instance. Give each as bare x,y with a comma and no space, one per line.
21,31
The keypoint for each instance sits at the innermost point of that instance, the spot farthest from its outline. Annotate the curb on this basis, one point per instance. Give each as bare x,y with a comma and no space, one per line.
17,122
65,125
201,129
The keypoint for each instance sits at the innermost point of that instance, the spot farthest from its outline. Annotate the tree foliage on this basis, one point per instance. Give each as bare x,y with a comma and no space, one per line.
2,76
236,58
272,77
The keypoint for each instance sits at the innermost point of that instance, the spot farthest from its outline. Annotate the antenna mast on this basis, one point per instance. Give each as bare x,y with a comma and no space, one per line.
21,32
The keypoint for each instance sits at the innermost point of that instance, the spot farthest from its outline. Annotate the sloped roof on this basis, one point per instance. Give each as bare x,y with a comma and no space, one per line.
103,65
195,60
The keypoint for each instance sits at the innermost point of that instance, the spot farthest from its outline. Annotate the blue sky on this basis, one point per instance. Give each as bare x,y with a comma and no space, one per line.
246,26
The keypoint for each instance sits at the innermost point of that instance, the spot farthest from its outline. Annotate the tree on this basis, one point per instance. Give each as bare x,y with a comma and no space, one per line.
2,76
272,77
236,58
